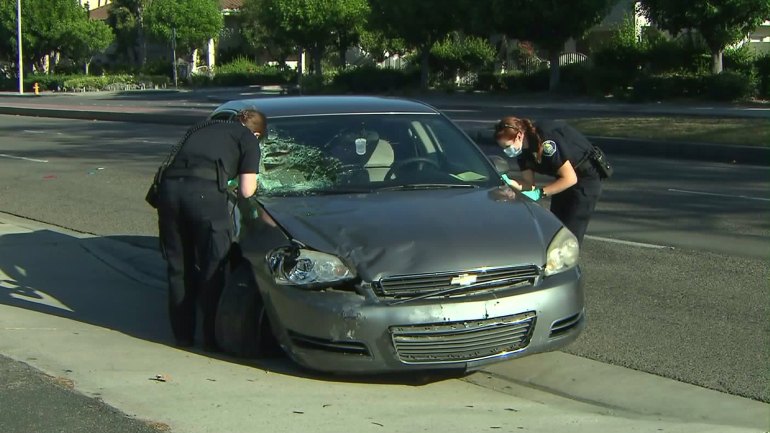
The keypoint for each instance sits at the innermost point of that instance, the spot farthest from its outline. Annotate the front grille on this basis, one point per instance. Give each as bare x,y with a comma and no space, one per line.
463,341
408,286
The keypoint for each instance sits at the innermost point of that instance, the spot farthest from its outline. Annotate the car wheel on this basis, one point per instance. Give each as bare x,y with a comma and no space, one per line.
242,326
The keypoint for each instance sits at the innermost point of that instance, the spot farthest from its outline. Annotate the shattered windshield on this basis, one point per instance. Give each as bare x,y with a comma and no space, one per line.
338,154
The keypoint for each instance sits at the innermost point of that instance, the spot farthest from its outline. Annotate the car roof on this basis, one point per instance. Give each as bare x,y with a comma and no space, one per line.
290,106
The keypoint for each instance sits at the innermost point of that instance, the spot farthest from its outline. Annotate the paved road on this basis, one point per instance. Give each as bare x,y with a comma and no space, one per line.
696,313
37,403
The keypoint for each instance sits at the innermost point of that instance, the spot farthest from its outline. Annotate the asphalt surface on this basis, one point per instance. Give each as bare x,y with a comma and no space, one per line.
696,313
34,402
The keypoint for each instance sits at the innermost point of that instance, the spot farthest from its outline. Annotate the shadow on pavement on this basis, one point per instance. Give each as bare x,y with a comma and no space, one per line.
53,273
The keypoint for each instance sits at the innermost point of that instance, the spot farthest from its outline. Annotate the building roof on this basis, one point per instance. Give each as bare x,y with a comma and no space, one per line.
100,13
290,106
231,4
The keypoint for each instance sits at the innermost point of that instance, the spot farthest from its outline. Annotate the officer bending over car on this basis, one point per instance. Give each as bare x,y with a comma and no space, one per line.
558,150
195,224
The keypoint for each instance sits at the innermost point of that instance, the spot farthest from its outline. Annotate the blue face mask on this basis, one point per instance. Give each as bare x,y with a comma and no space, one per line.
512,151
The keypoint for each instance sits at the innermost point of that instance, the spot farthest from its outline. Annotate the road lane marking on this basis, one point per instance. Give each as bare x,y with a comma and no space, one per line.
745,197
156,142
34,132
630,243
21,157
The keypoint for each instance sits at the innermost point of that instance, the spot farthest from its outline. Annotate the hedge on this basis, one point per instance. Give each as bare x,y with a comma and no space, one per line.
69,83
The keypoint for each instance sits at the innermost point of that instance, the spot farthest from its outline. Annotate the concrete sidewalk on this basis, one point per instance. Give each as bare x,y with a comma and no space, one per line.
92,311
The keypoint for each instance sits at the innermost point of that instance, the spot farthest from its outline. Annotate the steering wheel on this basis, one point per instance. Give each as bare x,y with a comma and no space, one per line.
409,161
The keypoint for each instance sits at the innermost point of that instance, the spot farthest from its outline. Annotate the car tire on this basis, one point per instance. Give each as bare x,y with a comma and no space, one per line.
242,326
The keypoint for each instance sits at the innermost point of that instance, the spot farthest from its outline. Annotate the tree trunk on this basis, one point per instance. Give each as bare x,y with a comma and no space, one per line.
87,66
425,54
141,39
555,71
343,56
716,61
318,55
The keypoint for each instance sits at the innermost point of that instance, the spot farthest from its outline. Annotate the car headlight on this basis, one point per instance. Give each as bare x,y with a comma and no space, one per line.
303,267
563,253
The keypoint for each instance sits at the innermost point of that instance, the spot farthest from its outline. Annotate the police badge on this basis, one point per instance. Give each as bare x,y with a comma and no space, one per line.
549,147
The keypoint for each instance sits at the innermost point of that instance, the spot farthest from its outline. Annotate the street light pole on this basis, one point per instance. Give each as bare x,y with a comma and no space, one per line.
21,65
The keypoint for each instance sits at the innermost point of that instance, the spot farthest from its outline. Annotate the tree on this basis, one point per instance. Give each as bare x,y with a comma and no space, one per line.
348,21
90,37
377,45
46,27
194,22
256,30
550,23
720,22
313,25
126,17
419,23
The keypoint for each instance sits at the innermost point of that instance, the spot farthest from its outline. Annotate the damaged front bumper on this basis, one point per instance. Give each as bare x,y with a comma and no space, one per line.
347,332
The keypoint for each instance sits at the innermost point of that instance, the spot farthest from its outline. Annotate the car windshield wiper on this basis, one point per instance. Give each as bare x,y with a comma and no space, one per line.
409,186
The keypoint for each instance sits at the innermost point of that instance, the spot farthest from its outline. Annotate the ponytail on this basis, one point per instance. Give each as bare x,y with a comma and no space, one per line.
534,137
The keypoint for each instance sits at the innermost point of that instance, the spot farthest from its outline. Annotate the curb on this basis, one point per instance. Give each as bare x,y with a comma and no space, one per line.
108,116
748,155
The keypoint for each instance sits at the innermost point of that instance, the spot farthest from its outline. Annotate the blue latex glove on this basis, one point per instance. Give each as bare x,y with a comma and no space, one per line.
534,195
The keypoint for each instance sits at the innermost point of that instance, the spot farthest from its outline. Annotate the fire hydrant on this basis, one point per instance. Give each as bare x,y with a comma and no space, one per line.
37,89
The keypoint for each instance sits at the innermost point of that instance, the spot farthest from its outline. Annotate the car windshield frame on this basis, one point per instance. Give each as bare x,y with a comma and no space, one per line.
361,153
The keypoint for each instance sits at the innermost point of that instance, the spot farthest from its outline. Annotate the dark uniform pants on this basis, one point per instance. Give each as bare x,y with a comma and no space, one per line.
196,232
574,206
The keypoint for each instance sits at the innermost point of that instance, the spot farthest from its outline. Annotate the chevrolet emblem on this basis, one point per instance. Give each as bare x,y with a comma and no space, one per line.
464,280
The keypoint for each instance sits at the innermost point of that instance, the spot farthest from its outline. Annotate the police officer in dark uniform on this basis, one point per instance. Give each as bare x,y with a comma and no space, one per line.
196,227
558,150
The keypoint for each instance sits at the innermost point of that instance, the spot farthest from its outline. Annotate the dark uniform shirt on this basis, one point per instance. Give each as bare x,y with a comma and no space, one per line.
231,142
561,143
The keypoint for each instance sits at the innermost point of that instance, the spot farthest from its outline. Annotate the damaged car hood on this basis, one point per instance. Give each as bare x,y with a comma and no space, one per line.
414,232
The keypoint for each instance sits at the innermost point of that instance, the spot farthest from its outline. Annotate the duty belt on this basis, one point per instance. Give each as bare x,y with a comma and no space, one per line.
195,172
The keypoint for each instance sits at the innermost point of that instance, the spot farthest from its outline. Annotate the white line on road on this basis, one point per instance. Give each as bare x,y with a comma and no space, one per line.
746,197
21,157
155,142
34,132
634,244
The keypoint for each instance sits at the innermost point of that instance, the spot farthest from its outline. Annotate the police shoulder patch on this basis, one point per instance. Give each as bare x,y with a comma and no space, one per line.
549,147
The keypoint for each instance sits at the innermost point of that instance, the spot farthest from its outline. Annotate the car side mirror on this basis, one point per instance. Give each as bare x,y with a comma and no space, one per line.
501,165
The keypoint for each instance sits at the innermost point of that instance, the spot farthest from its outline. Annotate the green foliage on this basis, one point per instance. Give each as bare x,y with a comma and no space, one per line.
720,22
244,72
762,65
459,55
372,79
254,24
730,86
78,82
380,47
549,23
195,22
125,18
420,24
90,38
47,26
741,59
313,25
